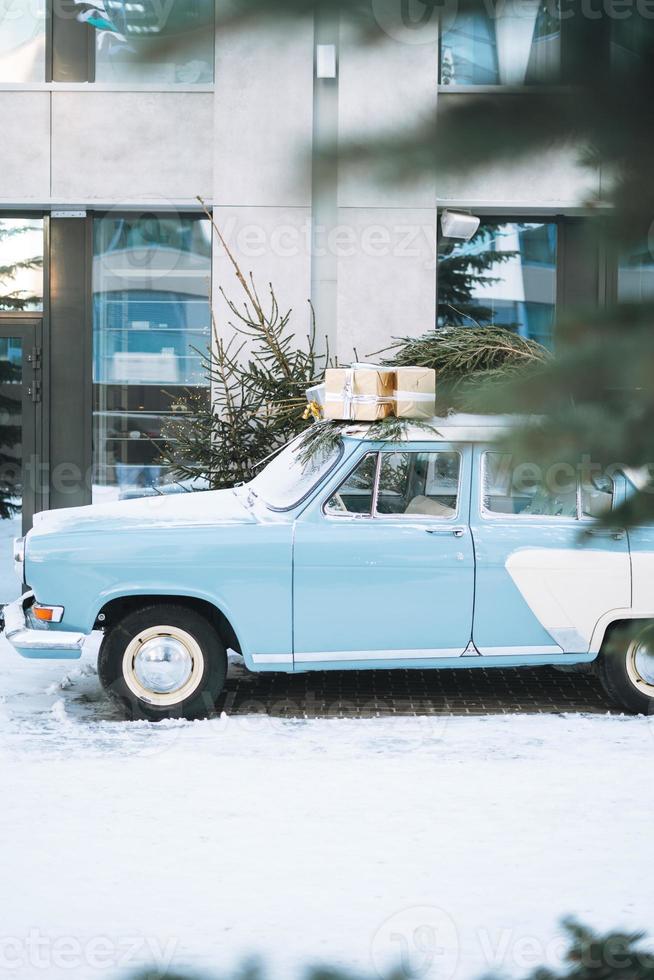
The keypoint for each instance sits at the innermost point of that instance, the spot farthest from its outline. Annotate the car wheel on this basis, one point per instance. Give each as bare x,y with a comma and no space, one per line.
163,661
626,666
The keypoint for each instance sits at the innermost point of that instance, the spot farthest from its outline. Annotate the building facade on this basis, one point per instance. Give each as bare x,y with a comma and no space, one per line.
108,262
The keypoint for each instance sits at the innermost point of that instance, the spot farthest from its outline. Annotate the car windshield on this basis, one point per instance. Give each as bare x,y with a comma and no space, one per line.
289,477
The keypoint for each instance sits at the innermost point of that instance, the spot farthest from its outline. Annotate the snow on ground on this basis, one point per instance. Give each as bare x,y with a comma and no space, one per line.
451,846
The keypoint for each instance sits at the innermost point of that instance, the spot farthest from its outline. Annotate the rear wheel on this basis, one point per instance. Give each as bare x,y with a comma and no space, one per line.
163,661
626,666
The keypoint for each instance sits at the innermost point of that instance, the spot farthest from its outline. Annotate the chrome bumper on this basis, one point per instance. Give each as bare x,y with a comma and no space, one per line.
38,642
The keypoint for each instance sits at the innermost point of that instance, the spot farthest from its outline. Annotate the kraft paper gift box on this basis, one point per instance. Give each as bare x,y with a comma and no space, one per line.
415,393
361,393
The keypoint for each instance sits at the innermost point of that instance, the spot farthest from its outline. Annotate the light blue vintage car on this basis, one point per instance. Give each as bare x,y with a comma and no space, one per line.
432,551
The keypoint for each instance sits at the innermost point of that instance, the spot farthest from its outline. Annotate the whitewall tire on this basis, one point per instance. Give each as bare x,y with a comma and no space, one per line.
626,666
163,661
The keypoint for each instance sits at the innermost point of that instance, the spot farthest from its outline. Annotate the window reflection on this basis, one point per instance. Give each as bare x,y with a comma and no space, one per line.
419,484
354,496
636,276
521,43
22,41
521,489
151,317
21,264
504,276
153,42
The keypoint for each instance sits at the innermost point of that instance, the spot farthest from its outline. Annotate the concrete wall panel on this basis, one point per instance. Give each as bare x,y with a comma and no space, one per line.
126,146
549,179
385,87
264,116
386,276
273,244
25,147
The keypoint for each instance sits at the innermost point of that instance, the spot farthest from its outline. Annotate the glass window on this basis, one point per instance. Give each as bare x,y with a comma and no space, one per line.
419,484
520,44
523,489
504,276
22,41
21,264
354,496
636,275
151,318
597,496
150,41
290,476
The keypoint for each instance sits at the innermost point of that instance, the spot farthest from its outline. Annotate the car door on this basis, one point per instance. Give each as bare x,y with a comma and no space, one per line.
545,571
384,564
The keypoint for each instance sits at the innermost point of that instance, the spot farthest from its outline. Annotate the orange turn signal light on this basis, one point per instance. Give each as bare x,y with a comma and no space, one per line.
47,614
43,613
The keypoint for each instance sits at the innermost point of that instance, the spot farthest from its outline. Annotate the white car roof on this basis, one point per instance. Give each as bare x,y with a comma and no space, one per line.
458,427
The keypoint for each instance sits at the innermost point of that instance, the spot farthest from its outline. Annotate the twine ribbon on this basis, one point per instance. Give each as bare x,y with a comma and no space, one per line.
348,397
414,396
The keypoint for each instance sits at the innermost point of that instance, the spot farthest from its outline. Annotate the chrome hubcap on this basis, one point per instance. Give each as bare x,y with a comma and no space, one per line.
644,661
163,665
640,661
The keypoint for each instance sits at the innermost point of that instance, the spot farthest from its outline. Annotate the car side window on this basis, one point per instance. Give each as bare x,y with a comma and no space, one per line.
354,496
597,496
419,484
522,489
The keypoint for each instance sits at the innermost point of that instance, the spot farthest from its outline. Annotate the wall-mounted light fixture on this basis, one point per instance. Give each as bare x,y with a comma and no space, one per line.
325,61
458,224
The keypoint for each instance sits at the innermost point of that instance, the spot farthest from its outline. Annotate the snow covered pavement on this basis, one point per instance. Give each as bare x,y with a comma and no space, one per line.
449,845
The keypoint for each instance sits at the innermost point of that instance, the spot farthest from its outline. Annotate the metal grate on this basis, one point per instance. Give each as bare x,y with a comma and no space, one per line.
378,693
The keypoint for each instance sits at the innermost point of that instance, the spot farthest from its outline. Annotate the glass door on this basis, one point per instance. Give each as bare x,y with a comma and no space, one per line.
20,404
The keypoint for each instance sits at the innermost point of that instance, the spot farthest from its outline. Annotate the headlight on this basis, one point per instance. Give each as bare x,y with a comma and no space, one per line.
19,557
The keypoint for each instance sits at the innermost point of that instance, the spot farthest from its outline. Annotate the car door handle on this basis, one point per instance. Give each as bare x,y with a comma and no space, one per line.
458,532
617,533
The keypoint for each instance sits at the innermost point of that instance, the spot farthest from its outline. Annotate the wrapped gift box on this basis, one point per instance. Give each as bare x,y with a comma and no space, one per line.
415,393
361,393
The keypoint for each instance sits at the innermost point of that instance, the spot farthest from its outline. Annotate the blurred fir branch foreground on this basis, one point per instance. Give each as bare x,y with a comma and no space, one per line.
589,956
595,402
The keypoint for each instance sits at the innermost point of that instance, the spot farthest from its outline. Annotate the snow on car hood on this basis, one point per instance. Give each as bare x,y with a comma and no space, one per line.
198,507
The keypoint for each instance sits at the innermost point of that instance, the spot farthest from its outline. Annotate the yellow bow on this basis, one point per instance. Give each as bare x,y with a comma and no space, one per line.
312,411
